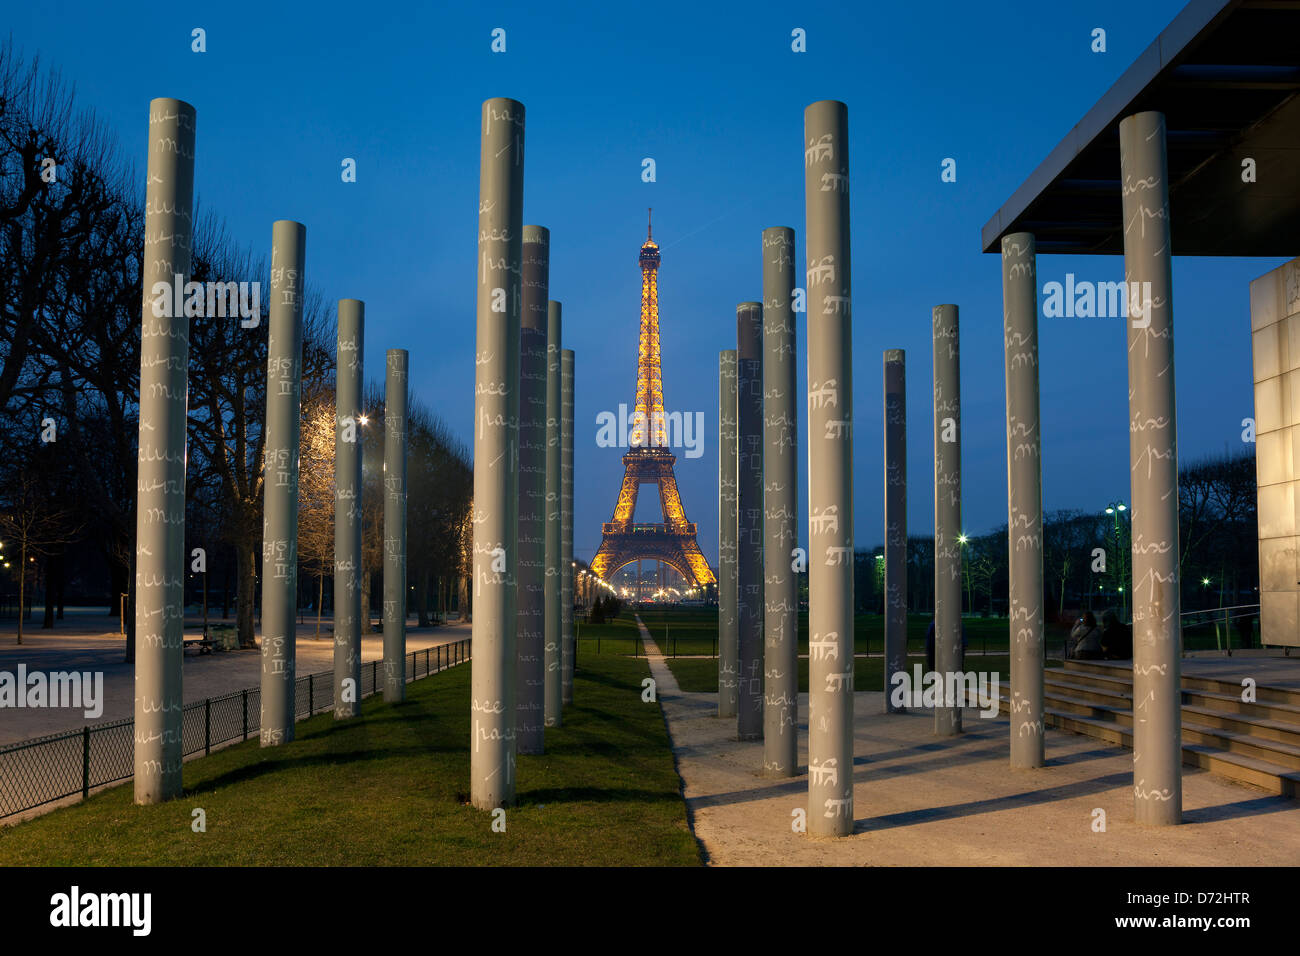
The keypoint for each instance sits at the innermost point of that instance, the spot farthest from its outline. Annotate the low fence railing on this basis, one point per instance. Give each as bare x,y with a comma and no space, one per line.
1220,628
44,769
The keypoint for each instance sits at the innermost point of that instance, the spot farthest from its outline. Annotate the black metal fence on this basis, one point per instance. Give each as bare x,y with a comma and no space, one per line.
43,769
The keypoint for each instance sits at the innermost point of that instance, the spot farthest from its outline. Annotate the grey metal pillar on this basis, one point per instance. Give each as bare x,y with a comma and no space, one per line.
280,483
1153,453
1024,498
395,587
347,507
566,522
749,520
554,578
160,511
780,508
895,411
500,255
530,674
947,512
830,471
728,623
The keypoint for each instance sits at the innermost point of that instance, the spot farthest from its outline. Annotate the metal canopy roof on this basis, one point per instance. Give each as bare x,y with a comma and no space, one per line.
1225,73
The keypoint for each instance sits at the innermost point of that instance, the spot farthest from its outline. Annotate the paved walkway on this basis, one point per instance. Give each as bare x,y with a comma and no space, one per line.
665,682
922,800
91,648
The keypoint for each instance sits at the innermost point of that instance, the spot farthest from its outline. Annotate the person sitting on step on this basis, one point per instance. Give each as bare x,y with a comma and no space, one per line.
1084,642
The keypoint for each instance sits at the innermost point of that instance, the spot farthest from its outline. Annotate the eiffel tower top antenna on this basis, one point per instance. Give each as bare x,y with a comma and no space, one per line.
648,234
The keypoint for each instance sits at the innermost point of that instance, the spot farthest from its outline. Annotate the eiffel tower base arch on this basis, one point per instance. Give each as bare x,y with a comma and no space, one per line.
672,542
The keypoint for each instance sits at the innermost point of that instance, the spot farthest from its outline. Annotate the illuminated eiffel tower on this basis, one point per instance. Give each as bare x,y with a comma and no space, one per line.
650,462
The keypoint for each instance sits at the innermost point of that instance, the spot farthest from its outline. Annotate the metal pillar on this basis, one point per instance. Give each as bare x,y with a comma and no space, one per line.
160,502
728,623
749,520
895,411
1024,498
1153,453
530,674
830,471
280,483
566,521
947,514
780,508
395,587
500,255
554,579
347,508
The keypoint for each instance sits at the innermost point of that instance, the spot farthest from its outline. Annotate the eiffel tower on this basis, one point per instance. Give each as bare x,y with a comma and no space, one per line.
650,462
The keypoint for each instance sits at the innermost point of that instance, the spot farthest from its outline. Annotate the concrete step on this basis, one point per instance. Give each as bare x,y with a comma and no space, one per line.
1263,692
1206,728
1093,679
1241,764
1105,668
1272,751
1233,704
1123,670
1279,730
1056,687
1106,677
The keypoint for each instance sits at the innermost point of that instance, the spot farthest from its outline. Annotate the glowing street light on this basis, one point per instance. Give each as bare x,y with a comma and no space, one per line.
1115,509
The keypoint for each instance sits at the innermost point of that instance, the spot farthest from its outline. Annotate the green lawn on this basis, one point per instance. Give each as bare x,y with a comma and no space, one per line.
616,637
390,789
697,675
692,631
682,630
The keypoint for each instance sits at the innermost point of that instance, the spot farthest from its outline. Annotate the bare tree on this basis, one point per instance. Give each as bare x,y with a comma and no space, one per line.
316,487
439,484
228,403
35,524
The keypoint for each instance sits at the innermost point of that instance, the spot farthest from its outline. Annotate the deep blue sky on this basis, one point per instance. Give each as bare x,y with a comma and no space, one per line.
715,95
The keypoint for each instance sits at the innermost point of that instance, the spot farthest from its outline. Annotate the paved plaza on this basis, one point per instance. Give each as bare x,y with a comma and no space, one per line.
921,800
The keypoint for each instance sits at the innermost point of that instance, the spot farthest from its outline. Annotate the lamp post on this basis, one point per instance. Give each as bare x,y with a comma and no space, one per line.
878,578
1115,509
962,541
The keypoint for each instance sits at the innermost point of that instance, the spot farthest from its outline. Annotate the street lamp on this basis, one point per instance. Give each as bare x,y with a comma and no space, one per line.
1115,509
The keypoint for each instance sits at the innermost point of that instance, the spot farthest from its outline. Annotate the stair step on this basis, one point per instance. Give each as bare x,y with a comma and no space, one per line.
1267,732
1271,765
1123,671
1273,777
1232,703
1244,723
1087,692
1263,692
1087,679
1230,700
1284,754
